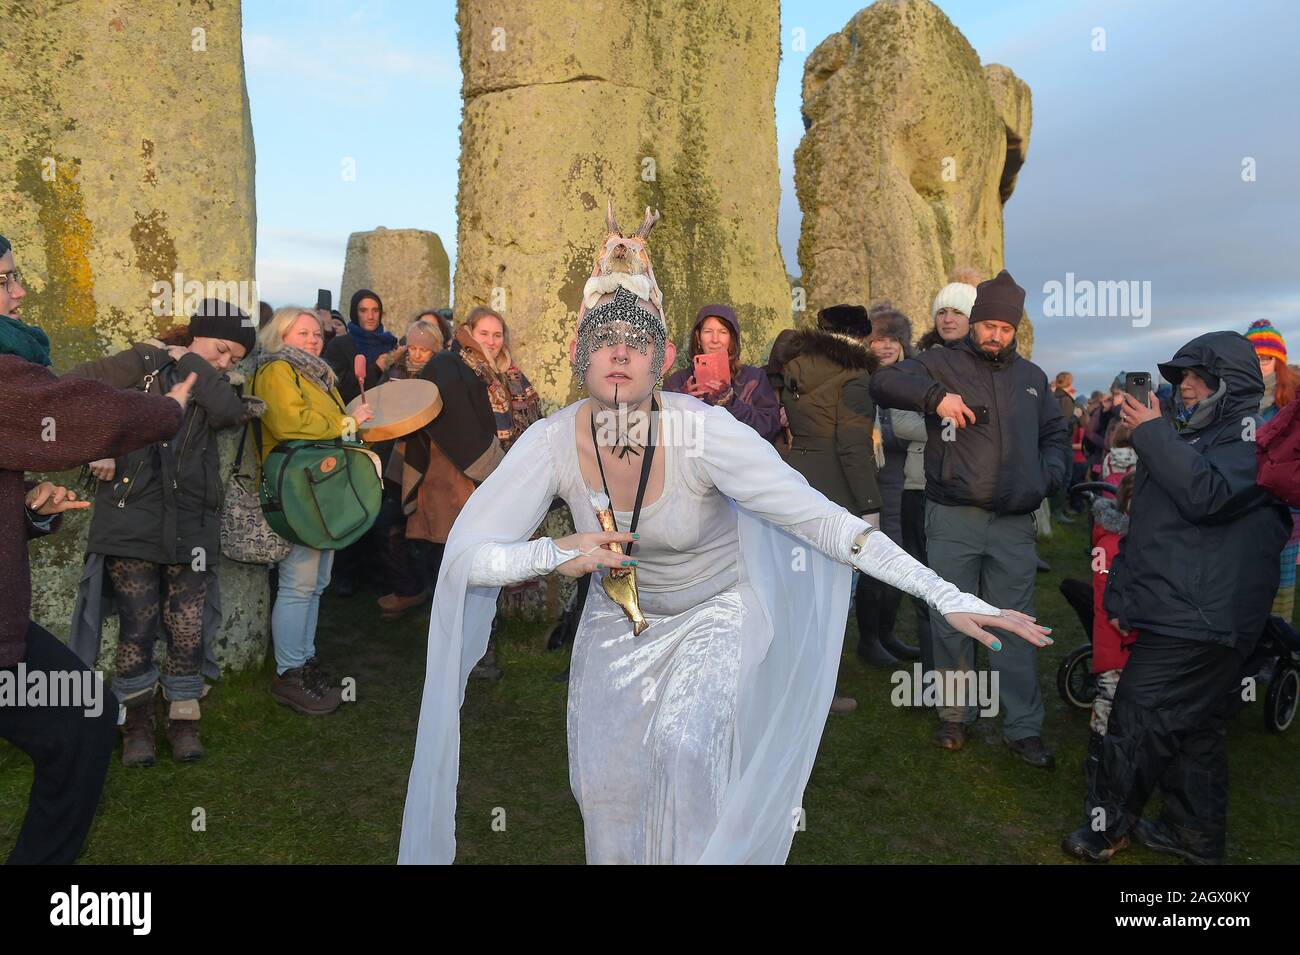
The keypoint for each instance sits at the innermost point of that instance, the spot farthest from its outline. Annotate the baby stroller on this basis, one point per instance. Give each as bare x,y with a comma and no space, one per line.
1275,661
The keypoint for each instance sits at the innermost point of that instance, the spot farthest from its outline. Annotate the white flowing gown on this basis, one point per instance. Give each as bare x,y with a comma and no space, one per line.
692,742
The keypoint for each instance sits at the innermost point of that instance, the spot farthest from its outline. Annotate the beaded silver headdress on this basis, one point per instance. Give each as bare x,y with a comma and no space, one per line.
622,319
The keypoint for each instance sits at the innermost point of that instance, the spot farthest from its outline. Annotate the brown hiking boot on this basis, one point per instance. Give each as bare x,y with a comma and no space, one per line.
301,689
392,606
950,735
138,732
183,730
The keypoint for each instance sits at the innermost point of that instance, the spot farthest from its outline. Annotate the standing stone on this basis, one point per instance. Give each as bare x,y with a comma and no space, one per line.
660,104
910,150
128,161
408,268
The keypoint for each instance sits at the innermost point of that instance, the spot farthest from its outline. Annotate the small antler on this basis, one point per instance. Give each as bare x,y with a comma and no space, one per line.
611,224
647,223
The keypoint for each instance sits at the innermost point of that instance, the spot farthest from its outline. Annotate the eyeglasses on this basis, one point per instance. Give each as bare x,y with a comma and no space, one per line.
9,279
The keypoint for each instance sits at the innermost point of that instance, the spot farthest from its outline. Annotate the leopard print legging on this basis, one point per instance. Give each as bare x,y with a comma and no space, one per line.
139,585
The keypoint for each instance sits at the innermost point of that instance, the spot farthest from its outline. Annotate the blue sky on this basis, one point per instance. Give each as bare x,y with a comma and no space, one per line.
1134,170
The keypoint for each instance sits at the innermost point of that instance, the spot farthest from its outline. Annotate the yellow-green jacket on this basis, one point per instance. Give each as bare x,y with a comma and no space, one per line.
297,408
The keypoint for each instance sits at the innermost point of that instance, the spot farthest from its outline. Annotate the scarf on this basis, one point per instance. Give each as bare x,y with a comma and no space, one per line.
515,404
371,344
25,341
1270,387
314,369
1199,415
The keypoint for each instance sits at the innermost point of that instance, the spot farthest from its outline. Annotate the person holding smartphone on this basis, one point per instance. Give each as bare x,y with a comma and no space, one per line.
742,389
997,445
1195,578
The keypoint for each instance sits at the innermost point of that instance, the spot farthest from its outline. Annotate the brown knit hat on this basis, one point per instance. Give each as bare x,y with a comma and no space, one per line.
999,299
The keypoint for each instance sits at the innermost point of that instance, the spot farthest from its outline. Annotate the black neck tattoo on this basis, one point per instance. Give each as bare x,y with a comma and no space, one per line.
624,448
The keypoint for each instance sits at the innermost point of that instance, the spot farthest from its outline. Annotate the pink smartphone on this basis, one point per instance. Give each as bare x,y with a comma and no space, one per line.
713,366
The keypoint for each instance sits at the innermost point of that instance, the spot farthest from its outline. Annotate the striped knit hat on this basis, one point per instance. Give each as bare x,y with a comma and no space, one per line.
1267,340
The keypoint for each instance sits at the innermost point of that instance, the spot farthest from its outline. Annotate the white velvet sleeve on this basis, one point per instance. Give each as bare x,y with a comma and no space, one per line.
748,469
498,565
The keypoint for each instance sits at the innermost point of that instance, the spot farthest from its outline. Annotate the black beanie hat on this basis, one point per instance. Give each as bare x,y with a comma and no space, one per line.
846,319
5,245
217,319
999,299
357,296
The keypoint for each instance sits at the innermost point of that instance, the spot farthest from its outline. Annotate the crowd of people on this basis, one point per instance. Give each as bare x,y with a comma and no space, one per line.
950,443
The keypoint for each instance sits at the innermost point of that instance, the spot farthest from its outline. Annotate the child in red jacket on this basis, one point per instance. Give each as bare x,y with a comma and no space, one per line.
1110,645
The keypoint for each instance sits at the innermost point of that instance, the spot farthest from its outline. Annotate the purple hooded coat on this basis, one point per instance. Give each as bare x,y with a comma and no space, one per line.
753,401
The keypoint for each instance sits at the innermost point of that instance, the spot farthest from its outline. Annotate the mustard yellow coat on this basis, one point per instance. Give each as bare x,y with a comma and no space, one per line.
297,408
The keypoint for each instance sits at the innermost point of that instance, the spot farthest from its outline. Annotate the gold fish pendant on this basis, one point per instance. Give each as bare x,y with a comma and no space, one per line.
620,585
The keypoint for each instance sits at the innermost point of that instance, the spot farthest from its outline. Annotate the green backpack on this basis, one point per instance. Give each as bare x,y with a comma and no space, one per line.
323,493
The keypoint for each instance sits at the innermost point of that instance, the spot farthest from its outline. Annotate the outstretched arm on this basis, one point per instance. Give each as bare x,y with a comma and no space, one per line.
56,423
747,469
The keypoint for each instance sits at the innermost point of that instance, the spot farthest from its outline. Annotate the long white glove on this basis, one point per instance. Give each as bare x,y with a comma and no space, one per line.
497,565
883,559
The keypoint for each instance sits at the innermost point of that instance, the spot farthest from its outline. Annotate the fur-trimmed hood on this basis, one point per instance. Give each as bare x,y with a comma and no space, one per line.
1107,513
815,358
849,353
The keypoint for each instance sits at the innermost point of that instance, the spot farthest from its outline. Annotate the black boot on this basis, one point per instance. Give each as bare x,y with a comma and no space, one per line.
899,649
1092,846
873,654
867,606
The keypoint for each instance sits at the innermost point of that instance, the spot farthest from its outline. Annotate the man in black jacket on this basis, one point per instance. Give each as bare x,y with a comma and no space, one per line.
997,446
1195,576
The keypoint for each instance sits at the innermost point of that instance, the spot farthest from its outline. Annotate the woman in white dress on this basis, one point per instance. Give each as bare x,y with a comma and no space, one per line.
692,741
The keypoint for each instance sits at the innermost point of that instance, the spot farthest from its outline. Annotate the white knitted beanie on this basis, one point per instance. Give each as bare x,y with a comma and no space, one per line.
956,295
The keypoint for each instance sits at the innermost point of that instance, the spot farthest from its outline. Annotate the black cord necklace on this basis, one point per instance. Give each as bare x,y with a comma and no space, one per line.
645,472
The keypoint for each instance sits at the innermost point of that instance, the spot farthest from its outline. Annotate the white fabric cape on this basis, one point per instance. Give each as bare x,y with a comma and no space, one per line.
790,657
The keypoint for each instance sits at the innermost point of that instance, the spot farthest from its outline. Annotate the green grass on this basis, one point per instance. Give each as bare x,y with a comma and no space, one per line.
279,787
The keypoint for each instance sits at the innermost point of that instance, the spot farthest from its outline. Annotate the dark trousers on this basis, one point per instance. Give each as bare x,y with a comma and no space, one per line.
913,514
70,751
1078,474
1168,728
992,556
875,604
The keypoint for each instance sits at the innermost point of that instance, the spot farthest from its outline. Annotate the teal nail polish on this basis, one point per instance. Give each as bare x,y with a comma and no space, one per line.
627,563
636,537
600,566
1048,629
996,645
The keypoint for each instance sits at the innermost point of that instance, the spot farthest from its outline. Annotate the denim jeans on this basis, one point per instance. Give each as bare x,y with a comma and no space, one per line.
304,574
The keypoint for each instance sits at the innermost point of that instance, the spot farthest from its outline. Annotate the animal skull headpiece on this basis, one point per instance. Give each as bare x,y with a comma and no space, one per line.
635,315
